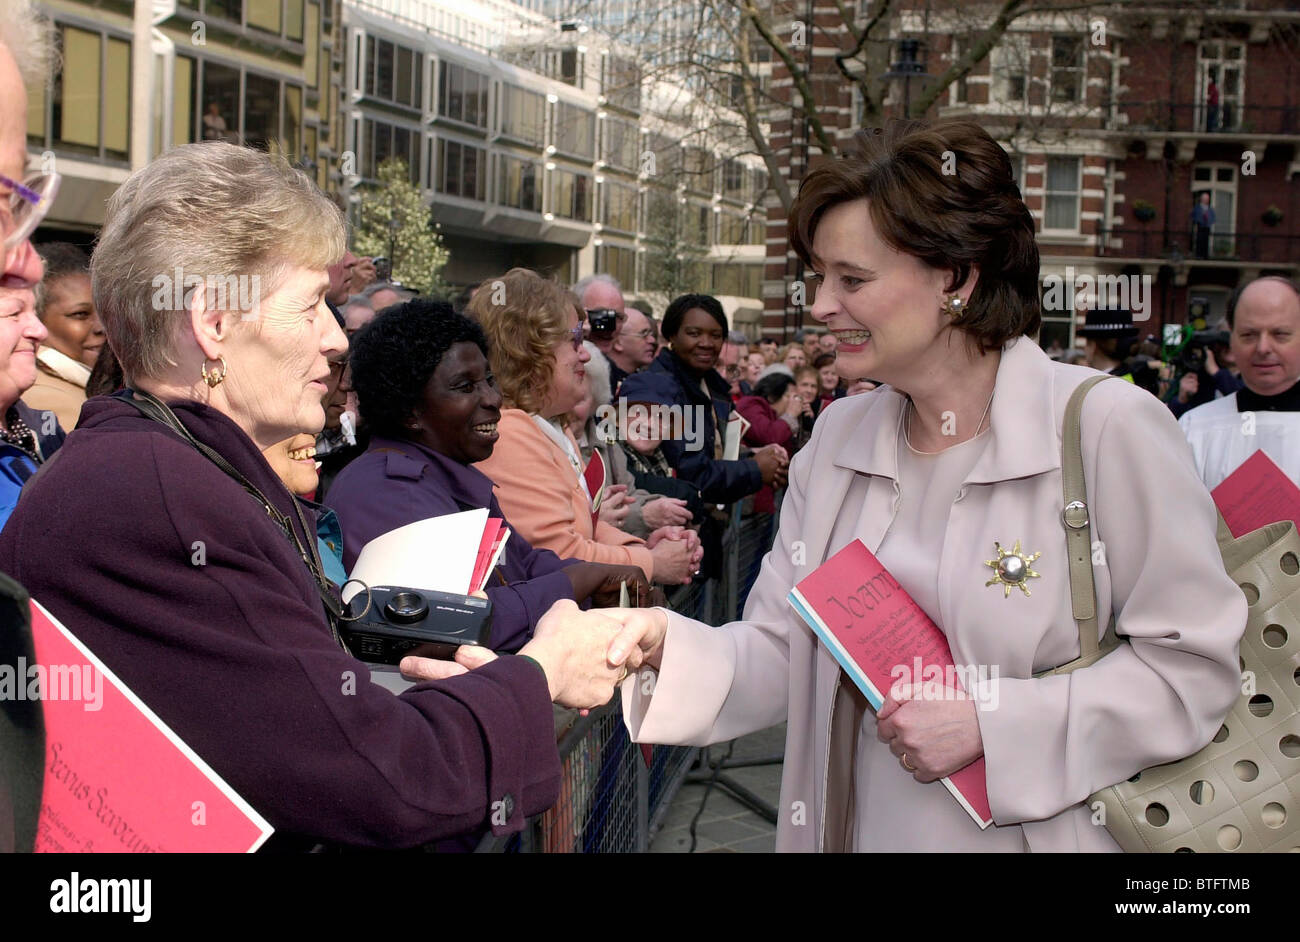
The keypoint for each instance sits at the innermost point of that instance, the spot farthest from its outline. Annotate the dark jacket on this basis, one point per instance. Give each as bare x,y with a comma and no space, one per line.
399,482
17,465
173,575
719,481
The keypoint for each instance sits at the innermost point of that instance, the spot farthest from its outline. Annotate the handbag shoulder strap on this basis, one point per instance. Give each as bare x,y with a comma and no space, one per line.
1078,532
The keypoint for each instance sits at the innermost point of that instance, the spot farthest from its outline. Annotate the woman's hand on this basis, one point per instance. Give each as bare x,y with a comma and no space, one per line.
615,505
576,651
665,512
643,629
1188,387
601,582
468,657
772,461
939,734
675,557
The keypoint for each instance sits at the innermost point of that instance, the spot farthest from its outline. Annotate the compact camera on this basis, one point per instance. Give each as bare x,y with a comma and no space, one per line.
386,623
603,321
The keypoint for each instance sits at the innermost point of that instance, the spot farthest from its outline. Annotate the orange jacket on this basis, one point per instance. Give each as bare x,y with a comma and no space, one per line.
541,496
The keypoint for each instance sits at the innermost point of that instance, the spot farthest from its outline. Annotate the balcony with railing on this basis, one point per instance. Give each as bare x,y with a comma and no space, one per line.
1253,246
1227,118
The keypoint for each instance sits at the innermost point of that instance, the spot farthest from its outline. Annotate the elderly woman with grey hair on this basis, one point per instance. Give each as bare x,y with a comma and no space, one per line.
193,572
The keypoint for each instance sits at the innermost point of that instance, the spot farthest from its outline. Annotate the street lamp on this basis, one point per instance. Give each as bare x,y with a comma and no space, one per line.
908,65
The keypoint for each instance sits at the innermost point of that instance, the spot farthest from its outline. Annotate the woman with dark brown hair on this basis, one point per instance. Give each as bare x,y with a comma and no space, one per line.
929,281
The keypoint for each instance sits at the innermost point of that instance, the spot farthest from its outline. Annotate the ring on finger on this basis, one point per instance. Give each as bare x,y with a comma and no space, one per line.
906,765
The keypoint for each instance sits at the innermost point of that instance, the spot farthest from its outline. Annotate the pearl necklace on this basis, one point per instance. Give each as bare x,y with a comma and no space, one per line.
907,423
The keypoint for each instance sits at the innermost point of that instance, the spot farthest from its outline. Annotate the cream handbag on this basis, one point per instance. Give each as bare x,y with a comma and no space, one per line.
1241,793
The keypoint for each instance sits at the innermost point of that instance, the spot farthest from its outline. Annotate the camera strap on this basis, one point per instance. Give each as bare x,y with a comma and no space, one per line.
153,408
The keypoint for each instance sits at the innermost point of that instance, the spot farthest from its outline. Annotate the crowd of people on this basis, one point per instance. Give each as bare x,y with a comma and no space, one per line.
348,406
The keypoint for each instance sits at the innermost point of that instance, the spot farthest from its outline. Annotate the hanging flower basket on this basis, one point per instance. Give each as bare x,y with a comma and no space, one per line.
1143,211
1272,216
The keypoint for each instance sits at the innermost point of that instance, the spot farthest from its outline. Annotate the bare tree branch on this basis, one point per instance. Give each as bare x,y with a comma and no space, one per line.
798,75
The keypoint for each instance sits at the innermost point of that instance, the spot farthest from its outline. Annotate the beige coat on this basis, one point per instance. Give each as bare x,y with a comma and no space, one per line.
60,387
1050,742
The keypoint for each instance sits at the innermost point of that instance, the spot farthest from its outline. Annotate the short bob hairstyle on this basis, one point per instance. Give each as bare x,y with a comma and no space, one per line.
970,218
394,356
523,316
676,313
211,211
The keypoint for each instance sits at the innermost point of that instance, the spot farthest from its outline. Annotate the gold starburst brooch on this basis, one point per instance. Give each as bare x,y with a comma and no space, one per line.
1011,568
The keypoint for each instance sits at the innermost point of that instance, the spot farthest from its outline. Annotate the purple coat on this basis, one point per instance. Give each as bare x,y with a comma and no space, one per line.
399,482
232,649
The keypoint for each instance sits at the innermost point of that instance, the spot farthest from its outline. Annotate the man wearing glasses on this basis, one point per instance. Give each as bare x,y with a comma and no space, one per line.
633,347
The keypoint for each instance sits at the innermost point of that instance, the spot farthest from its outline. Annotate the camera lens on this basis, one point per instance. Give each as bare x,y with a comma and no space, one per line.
404,608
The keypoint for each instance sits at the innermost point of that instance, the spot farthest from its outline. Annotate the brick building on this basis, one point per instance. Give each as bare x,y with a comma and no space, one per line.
1116,119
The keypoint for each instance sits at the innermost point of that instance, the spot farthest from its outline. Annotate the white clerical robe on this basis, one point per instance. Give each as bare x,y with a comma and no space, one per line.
1222,438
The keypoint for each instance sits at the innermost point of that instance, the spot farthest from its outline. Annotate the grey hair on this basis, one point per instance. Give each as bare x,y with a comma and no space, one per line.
356,300
584,283
597,375
159,233
737,338
372,289
29,37
776,368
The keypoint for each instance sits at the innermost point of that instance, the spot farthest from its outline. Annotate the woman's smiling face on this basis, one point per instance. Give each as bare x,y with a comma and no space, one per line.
883,306
69,315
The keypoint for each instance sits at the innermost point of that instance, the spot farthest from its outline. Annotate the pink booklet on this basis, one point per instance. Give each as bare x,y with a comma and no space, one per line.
117,779
1256,494
879,634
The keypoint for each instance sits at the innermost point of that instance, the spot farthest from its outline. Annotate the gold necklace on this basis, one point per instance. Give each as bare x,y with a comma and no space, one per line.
907,425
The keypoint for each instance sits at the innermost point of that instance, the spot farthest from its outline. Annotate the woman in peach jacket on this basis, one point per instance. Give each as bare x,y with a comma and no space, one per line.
534,331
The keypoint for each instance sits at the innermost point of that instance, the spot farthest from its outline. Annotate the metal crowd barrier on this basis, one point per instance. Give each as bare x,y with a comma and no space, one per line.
611,799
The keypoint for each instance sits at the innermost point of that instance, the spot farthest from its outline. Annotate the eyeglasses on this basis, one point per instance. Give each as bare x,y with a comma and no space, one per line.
576,336
28,203
645,334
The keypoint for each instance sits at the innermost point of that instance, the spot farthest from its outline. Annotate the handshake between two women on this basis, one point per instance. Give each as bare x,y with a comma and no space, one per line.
584,655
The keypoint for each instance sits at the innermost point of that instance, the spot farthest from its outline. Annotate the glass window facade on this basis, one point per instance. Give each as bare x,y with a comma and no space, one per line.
620,208
462,170
571,195
621,144
463,95
522,115
619,261
381,140
575,130
519,183
1061,201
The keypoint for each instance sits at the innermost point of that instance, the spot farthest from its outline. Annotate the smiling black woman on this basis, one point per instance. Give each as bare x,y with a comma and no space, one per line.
421,374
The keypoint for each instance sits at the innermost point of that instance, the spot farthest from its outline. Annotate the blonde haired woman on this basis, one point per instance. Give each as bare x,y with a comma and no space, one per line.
535,346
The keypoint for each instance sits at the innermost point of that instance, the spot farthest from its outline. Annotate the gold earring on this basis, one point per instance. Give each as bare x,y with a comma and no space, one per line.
214,378
954,306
